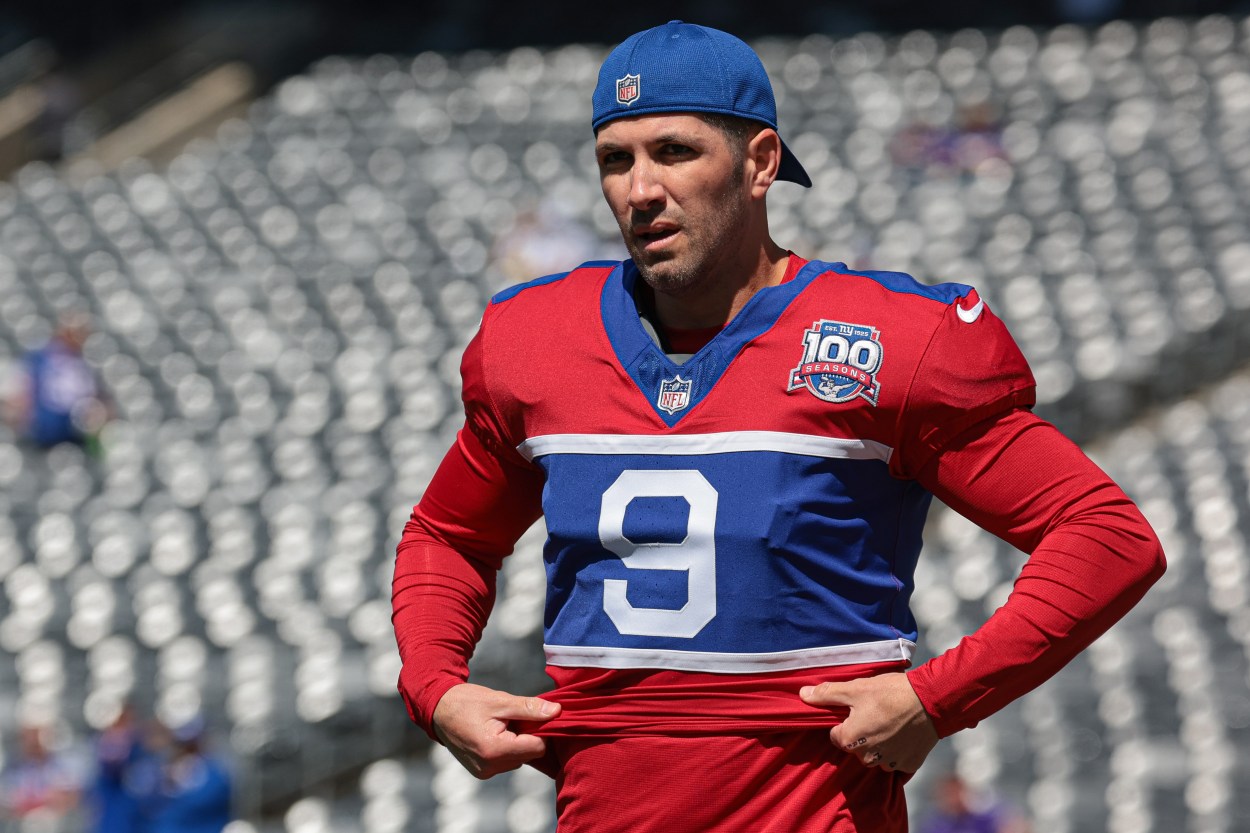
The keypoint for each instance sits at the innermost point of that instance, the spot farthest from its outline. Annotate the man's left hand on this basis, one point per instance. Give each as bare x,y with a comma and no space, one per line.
887,727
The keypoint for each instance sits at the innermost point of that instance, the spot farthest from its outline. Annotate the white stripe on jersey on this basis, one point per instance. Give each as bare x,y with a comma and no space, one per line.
580,656
721,443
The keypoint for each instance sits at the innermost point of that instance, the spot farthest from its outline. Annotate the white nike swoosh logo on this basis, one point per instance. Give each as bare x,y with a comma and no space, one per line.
969,315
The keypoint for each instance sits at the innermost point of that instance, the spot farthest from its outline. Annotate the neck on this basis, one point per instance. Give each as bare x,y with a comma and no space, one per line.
715,300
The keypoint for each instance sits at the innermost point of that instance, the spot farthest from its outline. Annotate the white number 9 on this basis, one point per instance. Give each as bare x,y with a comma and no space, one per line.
696,554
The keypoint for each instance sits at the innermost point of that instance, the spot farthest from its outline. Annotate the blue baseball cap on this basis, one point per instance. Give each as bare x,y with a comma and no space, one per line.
684,68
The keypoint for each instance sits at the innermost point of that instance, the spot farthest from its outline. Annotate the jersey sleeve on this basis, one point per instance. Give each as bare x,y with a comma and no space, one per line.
481,499
1092,556
970,370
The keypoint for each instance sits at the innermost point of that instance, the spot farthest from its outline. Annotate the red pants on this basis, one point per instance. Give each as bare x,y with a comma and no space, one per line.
783,783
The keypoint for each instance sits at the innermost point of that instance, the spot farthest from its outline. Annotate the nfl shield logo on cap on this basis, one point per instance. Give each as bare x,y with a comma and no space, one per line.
628,89
690,69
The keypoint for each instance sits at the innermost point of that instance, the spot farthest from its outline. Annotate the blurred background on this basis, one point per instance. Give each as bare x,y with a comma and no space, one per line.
242,247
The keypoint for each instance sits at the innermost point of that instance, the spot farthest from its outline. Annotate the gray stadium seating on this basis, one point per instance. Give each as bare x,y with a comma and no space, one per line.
280,313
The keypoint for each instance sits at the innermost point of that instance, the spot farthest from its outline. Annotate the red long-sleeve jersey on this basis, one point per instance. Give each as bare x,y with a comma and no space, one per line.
784,473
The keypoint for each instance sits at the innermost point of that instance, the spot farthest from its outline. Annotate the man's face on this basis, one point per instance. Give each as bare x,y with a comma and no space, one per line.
678,191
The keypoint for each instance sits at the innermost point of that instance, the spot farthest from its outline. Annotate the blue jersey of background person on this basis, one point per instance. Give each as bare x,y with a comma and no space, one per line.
195,791
194,800
59,384
128,776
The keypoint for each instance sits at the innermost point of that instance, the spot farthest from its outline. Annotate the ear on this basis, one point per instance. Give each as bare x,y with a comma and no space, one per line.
763,161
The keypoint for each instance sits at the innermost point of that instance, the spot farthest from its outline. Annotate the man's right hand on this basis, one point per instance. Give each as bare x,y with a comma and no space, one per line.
473,722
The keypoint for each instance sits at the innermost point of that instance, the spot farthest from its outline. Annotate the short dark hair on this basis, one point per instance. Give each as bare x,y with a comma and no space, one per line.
736,131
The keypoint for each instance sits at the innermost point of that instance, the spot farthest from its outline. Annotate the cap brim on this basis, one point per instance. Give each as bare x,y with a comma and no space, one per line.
790,169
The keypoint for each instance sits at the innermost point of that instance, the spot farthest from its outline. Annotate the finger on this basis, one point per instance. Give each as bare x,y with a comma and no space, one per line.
520,748
909,761
849,735
859,748
826,694
535,709
855,744
502,753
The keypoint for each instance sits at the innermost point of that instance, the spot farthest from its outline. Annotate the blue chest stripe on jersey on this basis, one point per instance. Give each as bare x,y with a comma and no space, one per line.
735,552
645,361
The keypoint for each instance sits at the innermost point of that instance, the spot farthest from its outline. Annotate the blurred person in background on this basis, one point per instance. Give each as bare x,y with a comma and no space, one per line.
54,396
958,809
41,788
928,150
62,101
126,779
542,241
194,793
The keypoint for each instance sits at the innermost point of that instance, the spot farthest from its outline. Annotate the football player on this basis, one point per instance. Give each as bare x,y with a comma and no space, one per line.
734,449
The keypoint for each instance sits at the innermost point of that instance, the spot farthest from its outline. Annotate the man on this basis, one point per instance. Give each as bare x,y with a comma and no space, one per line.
194,795
40,788
54,397
957,809
126,773
734,450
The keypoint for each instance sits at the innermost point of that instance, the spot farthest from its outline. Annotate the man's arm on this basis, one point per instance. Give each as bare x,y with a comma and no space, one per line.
476,507
1092,557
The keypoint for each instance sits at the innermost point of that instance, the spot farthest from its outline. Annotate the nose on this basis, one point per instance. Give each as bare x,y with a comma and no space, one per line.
645,189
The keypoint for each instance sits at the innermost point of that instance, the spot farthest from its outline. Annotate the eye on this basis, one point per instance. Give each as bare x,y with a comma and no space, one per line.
613,159
673,149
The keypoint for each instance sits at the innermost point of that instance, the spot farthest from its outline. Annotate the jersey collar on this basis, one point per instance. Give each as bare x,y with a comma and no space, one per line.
689,383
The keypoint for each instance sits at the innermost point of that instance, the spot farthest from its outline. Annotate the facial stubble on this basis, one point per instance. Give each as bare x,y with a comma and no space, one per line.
708,239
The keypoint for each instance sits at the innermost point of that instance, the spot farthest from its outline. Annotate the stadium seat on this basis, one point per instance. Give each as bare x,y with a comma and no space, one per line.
279,315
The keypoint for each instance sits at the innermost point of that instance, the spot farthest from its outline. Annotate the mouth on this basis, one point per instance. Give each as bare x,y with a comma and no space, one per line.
653,239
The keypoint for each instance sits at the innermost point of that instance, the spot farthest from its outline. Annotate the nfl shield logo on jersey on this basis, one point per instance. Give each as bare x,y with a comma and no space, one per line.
674,394
840,362
628,89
